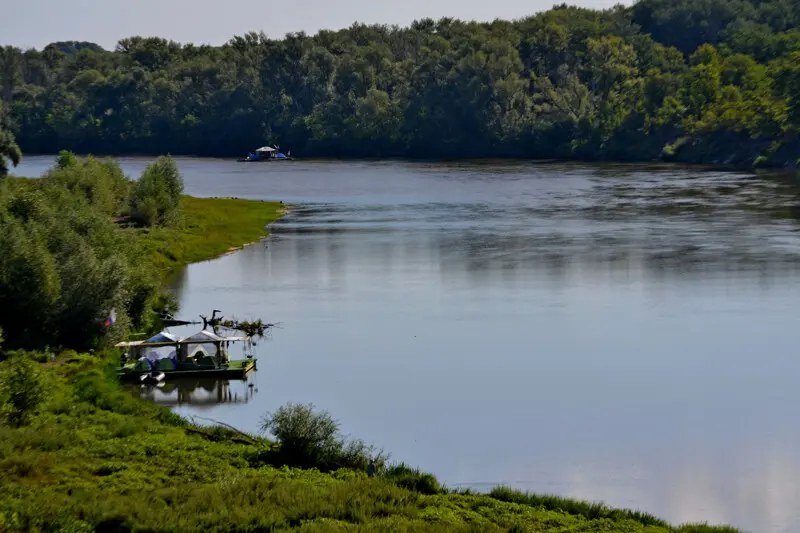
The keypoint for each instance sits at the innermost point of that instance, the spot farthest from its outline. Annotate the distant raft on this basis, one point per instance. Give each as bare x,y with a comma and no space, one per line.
266,154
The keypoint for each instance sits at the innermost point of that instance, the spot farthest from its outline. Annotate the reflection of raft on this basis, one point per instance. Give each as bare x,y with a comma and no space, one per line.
153,377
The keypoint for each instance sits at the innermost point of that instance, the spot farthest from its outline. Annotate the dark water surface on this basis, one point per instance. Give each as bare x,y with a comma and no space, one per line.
612,333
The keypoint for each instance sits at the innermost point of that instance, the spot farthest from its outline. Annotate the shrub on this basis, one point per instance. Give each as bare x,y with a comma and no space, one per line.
66,159
157,194
21,390
413,479
311,439
101,183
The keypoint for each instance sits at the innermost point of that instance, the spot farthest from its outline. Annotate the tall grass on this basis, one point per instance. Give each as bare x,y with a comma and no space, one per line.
590,510
412,479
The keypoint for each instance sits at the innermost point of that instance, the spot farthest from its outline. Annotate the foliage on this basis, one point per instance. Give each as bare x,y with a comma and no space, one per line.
620,83
9,151
66,264
309,439
412,479
21,390
251,328
590,510
157,194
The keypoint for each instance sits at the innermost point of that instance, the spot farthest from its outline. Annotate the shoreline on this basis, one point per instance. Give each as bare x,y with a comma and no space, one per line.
95,442
212,227
710,165
503,493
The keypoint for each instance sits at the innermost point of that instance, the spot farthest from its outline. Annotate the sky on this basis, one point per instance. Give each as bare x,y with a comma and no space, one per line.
36,23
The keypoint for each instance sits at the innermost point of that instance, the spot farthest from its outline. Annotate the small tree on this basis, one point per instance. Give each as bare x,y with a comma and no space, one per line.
157,195
311,439
66,159
21,390
307,439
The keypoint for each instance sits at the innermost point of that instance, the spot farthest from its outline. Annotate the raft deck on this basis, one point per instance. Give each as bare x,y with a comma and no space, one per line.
235,369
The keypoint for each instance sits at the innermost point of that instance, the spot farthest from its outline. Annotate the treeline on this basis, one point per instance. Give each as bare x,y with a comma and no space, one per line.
694,80
68,264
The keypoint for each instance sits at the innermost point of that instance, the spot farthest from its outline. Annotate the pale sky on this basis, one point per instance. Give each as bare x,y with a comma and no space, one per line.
35,23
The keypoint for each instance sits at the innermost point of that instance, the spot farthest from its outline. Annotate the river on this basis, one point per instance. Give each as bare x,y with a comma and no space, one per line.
612,332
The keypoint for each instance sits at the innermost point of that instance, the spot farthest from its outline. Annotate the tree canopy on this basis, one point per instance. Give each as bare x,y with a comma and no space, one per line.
66,265
703,79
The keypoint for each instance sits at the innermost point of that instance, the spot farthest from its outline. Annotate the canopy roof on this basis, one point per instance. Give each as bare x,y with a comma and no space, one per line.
203,336
266,149
165,338
128,343
162,338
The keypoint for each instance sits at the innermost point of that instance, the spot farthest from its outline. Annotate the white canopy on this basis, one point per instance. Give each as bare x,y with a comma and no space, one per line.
266,149
203,336
162,337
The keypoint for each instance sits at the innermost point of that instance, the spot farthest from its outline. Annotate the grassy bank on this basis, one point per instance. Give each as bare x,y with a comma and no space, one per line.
210,227
97,459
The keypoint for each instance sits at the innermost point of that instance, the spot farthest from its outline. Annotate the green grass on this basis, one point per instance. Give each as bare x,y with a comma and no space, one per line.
210,227
96,458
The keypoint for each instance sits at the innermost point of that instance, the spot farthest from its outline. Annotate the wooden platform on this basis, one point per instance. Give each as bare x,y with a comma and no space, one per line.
236,369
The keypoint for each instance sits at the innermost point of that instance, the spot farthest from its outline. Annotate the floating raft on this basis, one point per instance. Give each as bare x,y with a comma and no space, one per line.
235,369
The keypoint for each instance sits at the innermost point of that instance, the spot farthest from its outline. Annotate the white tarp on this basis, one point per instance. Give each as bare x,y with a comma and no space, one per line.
203,336
162,337
202,340
266,149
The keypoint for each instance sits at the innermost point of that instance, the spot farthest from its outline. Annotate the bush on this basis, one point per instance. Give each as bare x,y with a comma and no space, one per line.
96,389
21,390
101,183
157,195
311,439
413,479
66,159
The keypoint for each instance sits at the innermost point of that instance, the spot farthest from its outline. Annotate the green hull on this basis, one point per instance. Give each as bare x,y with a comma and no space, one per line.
235,369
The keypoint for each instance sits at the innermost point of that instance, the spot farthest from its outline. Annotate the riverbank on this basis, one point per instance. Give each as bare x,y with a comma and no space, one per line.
97,459
210,227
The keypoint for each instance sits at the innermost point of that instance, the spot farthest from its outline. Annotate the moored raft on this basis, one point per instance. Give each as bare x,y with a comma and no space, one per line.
204,354
266,154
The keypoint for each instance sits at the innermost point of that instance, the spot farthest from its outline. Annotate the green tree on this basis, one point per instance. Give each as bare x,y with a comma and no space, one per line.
9,151
157,194
22,390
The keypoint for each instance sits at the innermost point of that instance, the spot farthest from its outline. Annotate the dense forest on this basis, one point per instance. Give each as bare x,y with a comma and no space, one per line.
691,80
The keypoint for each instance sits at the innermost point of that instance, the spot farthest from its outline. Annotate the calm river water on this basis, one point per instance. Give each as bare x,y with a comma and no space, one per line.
611,333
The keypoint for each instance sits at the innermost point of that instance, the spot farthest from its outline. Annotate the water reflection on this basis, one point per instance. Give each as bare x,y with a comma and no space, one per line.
199,393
